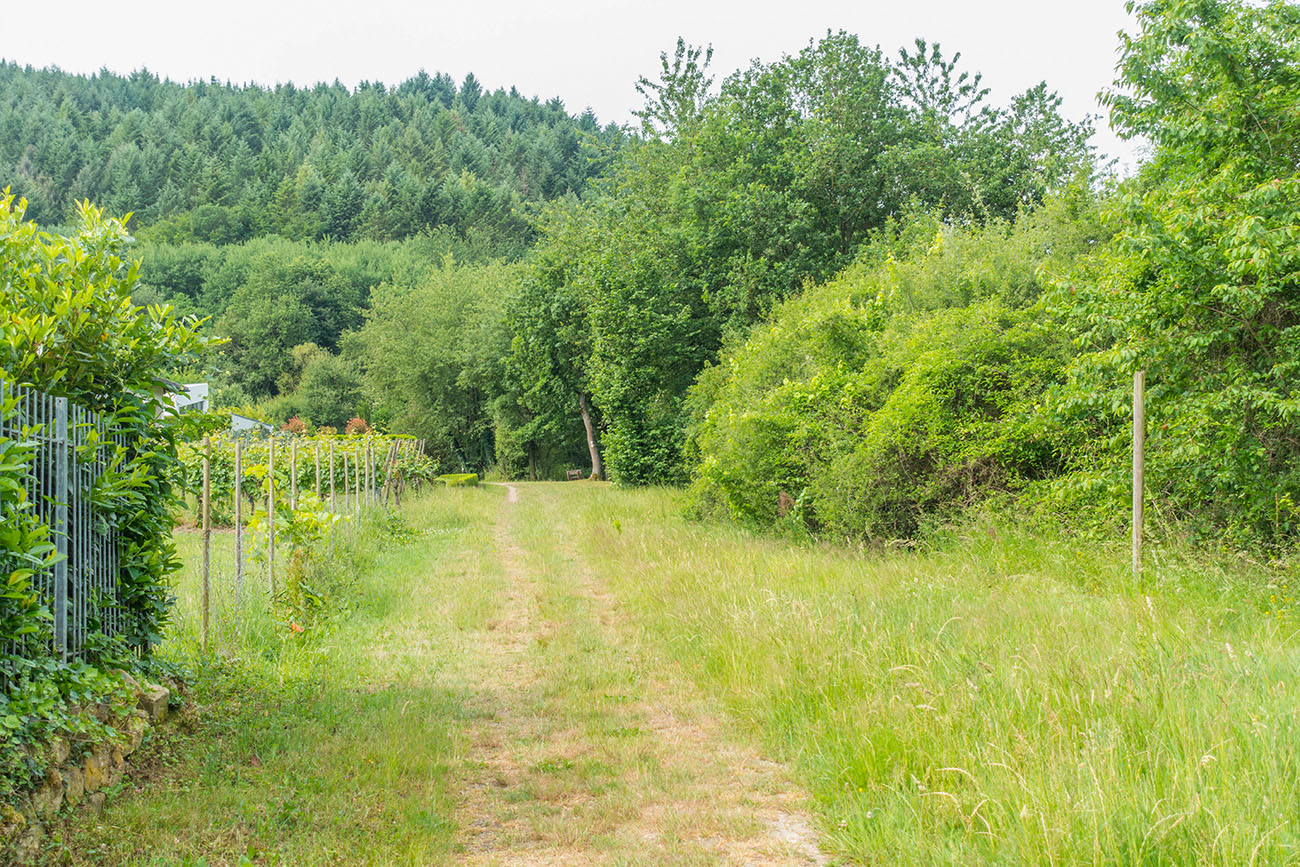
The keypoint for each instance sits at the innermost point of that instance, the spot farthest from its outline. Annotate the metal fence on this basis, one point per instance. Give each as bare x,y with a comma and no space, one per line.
72,448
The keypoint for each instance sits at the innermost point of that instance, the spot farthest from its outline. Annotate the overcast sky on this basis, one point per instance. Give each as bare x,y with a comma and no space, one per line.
588,54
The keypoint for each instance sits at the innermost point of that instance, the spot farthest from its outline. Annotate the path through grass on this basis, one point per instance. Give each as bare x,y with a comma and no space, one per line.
586,677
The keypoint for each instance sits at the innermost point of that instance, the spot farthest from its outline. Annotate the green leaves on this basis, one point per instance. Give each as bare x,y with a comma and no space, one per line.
70,329
1201,285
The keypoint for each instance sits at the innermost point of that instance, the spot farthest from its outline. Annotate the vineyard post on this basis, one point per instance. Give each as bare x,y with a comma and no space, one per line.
270,517
333,502
390,461
394,450
293,473
370,474
239,520
207,538
1139,465
356,480
401,477
316,453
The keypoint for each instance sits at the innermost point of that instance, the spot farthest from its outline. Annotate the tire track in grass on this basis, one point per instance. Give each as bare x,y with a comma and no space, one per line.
582,752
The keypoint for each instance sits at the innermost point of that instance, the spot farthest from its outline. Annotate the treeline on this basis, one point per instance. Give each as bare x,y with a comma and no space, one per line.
843,292
955,362
739,199
208,161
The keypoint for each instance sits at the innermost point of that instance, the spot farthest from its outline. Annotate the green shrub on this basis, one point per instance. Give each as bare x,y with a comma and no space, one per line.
900,392
71,330
457,480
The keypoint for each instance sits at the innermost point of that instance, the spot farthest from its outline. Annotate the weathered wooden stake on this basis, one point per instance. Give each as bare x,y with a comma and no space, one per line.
316,452
293,474
333,502
1139,465
270,517
370,474
207,538
239,520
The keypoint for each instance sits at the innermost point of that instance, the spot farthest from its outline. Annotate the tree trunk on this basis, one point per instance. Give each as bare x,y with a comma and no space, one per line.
597,466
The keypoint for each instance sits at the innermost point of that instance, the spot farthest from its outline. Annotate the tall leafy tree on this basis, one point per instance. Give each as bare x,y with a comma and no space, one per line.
736,200
1201,287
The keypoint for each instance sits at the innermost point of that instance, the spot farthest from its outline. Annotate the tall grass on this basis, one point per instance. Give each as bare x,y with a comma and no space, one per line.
1005,698
327,746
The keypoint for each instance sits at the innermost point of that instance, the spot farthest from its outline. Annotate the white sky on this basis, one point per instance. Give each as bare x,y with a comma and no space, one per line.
589,54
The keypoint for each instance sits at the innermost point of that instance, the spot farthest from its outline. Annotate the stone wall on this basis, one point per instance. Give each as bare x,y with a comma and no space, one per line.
77,774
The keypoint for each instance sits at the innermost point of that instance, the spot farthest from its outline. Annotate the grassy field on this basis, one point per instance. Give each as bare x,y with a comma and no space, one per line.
586,676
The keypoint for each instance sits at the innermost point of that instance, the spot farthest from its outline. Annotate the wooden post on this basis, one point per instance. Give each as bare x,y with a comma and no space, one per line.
316,451
270,517
333,502
390,461
239,520
370,474
207,538
1139,465
356,477
293,473
346,504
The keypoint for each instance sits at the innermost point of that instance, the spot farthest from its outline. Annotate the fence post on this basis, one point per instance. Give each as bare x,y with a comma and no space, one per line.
316,454
60,528
239,520
270,517
207,538
1139,464
333,503
293,474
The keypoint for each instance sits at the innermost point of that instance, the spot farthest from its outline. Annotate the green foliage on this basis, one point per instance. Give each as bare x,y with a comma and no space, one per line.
429,355
299,531
221,163
742,198
25,549
71,330
1200,287
53,699
900,392
459,480
544,377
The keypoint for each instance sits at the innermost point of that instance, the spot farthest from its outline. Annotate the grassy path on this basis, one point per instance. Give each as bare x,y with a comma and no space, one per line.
586,752
572,674
486,702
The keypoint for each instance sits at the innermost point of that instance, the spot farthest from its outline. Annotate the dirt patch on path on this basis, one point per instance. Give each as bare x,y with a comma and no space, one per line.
581,752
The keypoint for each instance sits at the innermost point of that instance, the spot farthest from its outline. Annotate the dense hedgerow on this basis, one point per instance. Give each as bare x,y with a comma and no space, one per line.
901,391
70,329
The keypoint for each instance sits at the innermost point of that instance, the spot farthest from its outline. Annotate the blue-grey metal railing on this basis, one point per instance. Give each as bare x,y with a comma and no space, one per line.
72,448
